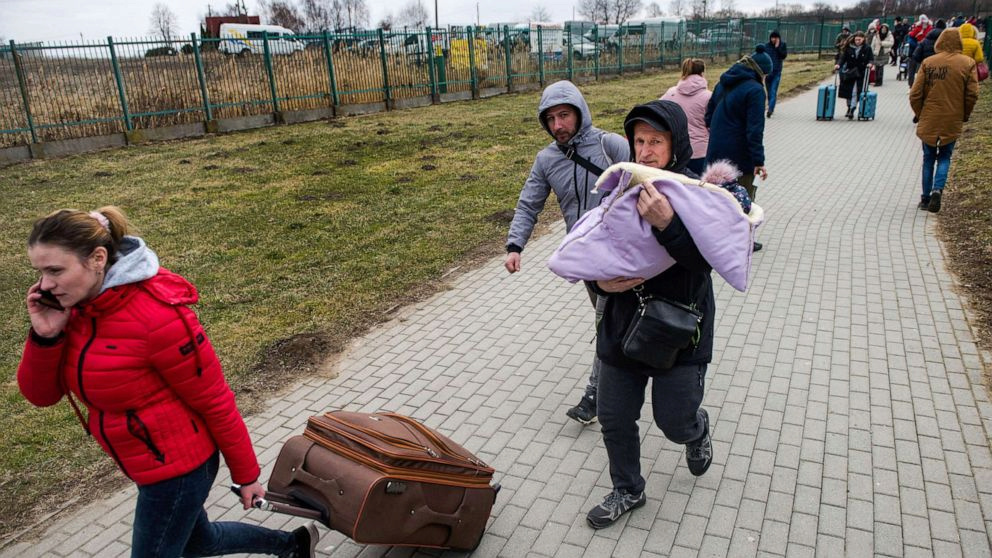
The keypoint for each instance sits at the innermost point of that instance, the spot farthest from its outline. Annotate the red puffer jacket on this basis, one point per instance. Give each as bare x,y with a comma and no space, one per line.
139,360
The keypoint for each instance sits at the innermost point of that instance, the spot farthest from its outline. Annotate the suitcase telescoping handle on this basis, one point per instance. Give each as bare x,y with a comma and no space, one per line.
281,507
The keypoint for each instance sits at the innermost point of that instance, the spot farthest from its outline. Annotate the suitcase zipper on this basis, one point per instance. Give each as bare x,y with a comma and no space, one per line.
448,452
395,472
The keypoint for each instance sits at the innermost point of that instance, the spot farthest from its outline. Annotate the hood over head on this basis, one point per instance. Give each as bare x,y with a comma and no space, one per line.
948,41
135,263
924,19
663,115
564,93
774,34
968,31
935,33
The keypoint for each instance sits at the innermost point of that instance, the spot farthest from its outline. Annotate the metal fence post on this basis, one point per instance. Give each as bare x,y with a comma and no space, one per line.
988,39
571,69
330,68
23,84
620,50
644,30
819,42
268,70
385,67
682,37
595,38
200,77
740,50
120,84
540,57
430,64
473,73
509,60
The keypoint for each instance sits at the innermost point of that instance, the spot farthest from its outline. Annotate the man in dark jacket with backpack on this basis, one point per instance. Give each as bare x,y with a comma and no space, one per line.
735,116
569,166
925,49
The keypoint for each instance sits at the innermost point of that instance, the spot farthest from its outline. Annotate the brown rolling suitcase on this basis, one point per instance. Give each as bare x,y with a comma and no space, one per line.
383,478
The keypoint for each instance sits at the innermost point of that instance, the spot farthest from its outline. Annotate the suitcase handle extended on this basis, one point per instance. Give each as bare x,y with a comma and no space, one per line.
280,503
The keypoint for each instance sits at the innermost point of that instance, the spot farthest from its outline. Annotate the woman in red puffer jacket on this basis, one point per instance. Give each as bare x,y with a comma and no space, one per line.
111,328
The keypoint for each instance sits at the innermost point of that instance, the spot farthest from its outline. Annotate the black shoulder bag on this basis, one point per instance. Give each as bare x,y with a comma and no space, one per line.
660,329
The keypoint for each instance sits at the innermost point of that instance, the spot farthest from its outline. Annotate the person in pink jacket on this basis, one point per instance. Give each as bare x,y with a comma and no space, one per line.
692,95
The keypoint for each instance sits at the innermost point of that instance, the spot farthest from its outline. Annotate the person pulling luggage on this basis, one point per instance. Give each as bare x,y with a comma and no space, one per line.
113,330
853,63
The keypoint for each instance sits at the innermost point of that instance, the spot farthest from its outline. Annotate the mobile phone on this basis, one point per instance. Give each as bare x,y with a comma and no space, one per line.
49,300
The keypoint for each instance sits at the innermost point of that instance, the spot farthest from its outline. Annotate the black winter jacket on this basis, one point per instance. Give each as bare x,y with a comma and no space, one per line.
688,281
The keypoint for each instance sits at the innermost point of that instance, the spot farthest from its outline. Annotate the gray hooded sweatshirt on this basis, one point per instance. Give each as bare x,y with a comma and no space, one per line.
135,262
552,171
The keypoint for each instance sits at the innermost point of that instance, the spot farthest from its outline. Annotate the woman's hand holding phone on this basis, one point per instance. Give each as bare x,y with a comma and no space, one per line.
48,318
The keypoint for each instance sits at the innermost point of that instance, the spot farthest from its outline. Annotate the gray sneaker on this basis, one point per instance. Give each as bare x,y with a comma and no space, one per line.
699,454
615,505
585,411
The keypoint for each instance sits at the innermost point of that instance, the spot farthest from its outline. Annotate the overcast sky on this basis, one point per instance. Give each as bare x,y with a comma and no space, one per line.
68,20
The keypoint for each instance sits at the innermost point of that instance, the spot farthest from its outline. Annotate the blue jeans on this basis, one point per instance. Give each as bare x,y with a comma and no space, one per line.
169,521
771,84
675,398
941,156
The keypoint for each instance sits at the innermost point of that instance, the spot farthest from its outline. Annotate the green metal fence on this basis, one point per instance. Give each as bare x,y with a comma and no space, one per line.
61,91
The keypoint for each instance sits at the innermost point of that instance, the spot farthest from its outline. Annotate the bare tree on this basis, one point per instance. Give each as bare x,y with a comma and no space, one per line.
823,9
414,14
654,10
386,23
357,12
677,7
282,12
699,8
540,13
318,15
163,22
609,11
728,8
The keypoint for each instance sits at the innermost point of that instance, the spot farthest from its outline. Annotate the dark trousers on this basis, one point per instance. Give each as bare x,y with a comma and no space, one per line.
747,181
169,521
675,398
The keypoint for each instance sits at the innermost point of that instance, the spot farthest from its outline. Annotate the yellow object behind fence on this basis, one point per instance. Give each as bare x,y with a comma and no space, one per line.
459,54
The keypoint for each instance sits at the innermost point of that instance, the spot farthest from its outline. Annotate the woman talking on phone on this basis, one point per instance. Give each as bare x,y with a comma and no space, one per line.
112,330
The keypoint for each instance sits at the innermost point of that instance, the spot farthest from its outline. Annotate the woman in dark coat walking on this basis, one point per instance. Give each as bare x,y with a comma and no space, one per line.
853,63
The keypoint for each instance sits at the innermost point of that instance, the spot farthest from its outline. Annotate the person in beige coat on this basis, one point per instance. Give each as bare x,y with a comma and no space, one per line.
942,97
881,44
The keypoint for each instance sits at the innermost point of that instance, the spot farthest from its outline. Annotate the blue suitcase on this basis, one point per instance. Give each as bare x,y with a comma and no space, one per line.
867,104
826,101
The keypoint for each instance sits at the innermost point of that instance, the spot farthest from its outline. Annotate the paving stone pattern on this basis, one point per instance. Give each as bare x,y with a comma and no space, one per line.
846,397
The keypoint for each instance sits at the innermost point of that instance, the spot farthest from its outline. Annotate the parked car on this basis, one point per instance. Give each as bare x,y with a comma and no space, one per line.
242,38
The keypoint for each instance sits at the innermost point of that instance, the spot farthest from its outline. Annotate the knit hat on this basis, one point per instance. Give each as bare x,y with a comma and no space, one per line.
941,24
762,60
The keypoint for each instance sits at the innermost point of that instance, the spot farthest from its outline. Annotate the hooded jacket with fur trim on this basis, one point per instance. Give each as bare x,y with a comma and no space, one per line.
138,359
945,91
552,171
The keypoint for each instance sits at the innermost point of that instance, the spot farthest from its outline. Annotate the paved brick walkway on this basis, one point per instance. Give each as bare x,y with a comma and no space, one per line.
849,415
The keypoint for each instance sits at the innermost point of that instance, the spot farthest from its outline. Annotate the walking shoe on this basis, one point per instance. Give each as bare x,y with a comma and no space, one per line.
934,205
757,247
699,454
923,205
850,113
306,538
585,411
769,115
615,505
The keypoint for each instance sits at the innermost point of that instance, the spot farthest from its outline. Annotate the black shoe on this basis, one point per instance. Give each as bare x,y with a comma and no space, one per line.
923,205
585,411
699,454
934,205
615,505
757,247
306,538
850,113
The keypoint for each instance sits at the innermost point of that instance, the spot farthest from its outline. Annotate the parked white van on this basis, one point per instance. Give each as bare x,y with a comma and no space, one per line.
243,38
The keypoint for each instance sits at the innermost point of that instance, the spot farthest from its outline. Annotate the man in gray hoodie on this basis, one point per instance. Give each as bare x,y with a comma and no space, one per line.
566,166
